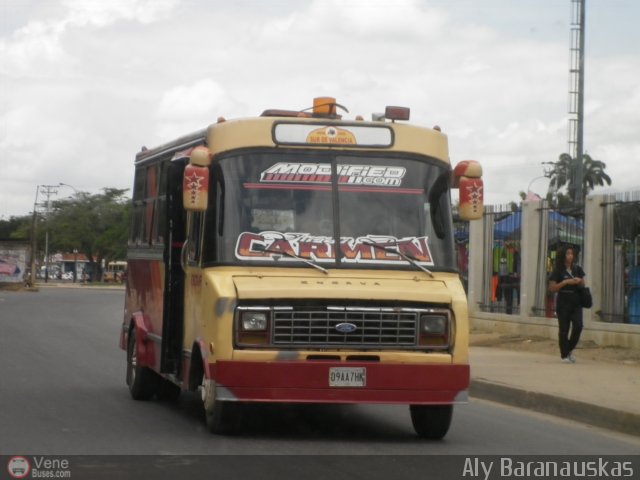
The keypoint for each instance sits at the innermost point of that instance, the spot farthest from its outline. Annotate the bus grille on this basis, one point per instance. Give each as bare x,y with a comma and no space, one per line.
367,328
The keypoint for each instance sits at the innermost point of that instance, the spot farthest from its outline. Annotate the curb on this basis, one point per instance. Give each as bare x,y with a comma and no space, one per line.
624,422
78,286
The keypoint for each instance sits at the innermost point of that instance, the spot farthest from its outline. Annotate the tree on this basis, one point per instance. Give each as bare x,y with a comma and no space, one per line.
594,174
561,172
16,228
95,225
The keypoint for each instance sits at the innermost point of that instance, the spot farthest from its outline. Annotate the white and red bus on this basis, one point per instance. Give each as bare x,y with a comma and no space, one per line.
299,257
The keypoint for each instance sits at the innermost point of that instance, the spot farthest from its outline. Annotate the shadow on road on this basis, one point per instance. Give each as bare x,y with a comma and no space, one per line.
311,421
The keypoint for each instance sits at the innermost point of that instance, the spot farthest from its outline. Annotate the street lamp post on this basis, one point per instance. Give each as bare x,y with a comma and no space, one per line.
533,180
47,190
46,252
34,241
75,265
75,250
70,186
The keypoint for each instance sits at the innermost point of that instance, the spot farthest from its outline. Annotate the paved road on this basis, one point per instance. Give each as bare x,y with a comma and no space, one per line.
63,393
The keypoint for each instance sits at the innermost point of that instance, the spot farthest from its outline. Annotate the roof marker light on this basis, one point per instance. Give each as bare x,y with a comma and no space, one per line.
396,113
324,106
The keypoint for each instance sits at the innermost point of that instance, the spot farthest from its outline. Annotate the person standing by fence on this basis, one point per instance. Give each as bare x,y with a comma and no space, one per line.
565,280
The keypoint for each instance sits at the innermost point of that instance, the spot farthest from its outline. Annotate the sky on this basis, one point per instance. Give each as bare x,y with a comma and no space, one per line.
84,84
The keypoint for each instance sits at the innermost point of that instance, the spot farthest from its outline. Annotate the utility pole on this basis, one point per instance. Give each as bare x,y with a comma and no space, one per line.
47,191
34,242
576,96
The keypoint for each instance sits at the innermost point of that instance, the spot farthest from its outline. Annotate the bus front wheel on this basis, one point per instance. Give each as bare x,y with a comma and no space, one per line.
431,421
221,417
142,381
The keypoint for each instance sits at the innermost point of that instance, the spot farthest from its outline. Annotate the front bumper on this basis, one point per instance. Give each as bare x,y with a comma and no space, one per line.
308,381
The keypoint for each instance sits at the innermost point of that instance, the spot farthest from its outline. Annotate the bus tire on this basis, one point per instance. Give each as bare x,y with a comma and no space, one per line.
142,381
431,421
222,418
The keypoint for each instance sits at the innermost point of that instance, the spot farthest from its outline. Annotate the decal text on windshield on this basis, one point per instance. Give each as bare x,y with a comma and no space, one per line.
293,172
278,246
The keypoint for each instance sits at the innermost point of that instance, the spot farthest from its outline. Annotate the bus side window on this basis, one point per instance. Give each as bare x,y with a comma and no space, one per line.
145,218
136,231
151,193
160,207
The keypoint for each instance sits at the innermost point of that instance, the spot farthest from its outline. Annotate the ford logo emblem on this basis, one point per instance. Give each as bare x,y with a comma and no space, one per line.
346,327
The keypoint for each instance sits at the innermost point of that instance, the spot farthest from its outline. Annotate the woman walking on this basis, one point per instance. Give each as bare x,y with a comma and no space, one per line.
565,280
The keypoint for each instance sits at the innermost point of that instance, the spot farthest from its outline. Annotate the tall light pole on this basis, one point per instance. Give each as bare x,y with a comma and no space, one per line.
576,96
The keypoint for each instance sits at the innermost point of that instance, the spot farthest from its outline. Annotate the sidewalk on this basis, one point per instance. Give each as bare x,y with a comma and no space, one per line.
601,393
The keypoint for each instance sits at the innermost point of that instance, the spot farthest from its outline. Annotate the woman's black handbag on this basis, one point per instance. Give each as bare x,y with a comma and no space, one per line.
586,301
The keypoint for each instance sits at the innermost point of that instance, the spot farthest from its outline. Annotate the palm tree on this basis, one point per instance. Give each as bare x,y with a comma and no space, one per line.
593,174
561,172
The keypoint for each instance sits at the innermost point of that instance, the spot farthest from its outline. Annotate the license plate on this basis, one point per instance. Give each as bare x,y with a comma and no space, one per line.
347,377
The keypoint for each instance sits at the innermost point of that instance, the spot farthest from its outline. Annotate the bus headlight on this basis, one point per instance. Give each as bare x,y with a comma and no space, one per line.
252,326
254,321
434,329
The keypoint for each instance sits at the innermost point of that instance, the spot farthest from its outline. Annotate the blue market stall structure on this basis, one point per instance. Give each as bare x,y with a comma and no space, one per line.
505,279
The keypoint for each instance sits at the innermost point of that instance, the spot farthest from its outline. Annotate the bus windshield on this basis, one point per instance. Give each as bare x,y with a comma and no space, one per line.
335,210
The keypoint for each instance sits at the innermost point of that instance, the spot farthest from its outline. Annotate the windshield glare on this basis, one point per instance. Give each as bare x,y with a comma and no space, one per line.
273,207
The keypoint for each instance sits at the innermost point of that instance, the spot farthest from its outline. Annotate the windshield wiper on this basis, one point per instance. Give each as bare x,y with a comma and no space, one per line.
404,256
262,248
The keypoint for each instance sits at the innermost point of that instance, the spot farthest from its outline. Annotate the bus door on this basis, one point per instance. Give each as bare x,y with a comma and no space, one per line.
172,325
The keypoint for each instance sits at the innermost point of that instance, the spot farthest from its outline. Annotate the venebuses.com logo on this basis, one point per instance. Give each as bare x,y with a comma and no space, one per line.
18,467
38,467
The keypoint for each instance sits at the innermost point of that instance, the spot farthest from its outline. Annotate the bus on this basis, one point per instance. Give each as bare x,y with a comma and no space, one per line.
115,271
300,257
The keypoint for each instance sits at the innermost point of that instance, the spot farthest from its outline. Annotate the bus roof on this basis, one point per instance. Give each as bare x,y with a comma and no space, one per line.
274,131
357,135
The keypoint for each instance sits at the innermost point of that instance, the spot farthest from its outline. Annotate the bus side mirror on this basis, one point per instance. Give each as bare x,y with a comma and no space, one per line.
195,183
467,178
